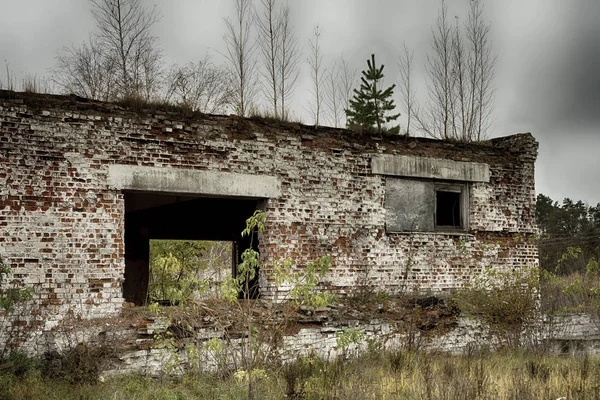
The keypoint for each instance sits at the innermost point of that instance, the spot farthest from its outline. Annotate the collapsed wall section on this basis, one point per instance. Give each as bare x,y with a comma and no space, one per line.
62,203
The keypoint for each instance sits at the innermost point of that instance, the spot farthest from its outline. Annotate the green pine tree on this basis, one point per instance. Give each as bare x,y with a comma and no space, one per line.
370,104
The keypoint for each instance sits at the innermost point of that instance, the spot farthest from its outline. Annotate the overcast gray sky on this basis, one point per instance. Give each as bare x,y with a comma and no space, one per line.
547,75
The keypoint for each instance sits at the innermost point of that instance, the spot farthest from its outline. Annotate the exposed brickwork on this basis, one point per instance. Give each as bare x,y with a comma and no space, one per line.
61,223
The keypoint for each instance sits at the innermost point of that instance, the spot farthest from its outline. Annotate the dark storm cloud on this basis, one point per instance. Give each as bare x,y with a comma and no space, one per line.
548,70
579,73
558,70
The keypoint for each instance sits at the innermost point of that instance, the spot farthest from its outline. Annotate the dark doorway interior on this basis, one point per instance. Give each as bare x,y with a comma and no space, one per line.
161,216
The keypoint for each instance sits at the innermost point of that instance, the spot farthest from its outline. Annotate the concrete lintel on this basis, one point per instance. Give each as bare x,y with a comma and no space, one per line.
191,181
432,168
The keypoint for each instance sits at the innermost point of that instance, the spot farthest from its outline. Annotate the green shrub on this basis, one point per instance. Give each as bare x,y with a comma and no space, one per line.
304,283
573,293
507,301
81,364
15,292
18,364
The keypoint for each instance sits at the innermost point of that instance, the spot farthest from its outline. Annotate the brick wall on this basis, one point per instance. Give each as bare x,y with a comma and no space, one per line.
61,222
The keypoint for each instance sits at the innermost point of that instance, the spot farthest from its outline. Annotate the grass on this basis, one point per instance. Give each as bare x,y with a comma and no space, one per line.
374,375
571,293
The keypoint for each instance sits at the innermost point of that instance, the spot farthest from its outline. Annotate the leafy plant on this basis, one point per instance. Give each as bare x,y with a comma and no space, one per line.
18,363
347,337
257,342
14,321
240,284
185,270
15,292
573,293
247,269
303,283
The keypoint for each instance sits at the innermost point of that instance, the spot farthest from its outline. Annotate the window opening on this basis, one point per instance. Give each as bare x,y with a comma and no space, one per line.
448,209
425,206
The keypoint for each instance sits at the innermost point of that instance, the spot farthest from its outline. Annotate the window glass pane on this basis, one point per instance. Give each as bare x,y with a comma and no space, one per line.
409,205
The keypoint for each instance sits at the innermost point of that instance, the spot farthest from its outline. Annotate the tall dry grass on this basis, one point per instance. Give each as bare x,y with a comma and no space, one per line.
374,375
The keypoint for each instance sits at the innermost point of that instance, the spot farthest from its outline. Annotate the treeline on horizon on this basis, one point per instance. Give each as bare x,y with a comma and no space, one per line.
569,235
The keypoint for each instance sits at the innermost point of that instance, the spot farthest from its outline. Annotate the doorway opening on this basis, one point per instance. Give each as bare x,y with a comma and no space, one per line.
165,223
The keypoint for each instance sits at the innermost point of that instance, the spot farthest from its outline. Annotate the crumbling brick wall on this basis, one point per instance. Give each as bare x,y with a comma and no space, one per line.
62,221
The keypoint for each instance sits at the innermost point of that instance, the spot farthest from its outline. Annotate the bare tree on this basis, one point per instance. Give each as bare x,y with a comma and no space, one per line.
317,74
407,91
269,27
481,67
347,78
289,60
280,54
151,73
333,101
240,55
459,91
200,86
86,71
460,78
9,83
33,84
436,119
124,30
339,83
24,82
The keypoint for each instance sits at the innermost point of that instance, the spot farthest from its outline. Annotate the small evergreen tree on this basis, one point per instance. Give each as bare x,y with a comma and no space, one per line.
370,104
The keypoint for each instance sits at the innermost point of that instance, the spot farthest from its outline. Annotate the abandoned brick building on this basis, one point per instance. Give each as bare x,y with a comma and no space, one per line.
85,185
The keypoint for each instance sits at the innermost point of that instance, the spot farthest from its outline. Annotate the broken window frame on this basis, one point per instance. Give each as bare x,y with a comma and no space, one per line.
463,190
407,214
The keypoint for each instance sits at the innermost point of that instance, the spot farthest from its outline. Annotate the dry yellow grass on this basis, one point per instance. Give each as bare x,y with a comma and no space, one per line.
375,375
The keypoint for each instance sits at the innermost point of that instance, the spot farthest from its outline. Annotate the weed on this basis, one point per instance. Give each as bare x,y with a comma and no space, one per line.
81,364
505,300
391,375
13,292
18,364
15,312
